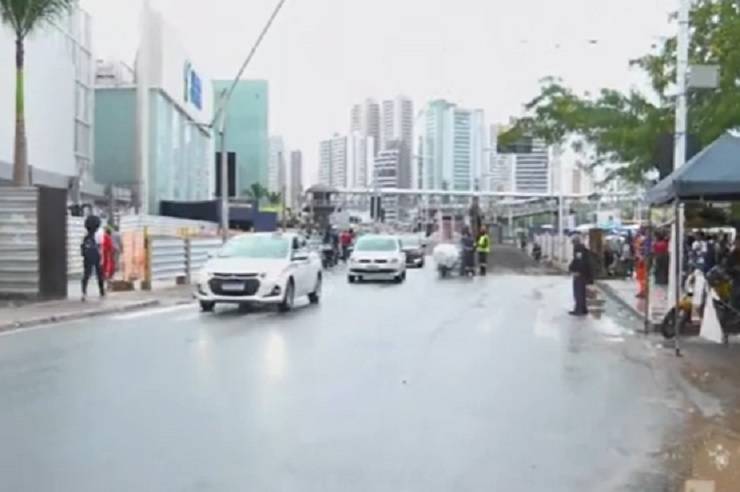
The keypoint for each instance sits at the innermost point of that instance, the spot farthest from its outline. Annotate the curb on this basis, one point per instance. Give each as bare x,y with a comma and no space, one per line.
74,316
609,291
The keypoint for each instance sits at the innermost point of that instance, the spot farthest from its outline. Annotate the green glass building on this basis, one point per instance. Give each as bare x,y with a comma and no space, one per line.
247,135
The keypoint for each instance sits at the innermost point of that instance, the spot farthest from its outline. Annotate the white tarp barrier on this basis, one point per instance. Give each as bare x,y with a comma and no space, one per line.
710,328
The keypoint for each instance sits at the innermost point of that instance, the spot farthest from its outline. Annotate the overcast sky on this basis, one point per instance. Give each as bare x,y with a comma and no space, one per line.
324,55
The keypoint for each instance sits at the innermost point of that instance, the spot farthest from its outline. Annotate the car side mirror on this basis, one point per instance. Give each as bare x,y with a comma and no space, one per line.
299,256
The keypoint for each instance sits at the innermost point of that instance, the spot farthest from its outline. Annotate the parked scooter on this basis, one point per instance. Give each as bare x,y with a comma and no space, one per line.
537,252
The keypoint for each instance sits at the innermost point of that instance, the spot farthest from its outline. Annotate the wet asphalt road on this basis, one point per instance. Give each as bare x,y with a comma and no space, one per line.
464,385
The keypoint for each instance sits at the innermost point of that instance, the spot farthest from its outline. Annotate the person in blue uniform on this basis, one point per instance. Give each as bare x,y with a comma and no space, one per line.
580,267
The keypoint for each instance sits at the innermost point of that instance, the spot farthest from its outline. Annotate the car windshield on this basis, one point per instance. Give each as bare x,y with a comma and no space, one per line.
410,242
258,247
377,244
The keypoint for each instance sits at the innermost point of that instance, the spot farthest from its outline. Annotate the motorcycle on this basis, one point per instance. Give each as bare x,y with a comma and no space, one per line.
328,256
537,252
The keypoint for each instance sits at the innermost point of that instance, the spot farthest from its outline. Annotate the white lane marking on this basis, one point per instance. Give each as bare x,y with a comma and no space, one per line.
151,312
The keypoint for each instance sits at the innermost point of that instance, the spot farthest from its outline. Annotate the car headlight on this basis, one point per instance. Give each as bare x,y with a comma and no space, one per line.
204,277
394,260
263,275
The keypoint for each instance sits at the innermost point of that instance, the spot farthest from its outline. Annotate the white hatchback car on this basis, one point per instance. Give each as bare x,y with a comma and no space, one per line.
262,268
377,257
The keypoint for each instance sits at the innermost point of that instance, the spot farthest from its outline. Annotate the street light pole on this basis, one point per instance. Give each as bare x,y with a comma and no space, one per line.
223,166
219,117
679,154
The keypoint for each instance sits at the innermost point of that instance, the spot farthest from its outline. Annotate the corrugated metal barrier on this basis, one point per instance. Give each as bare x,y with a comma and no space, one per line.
168,258
75,233
19,257
198,252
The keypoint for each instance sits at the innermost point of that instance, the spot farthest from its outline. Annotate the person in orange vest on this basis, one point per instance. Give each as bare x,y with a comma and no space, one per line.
641,263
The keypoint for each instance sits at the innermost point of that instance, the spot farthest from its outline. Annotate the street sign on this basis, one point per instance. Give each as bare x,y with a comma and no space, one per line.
703,76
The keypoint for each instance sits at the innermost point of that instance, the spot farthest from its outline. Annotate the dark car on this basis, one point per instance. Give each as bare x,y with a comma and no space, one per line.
414,250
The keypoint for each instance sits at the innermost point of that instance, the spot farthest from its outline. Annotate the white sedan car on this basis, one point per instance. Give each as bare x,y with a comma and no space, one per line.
263,268
377,257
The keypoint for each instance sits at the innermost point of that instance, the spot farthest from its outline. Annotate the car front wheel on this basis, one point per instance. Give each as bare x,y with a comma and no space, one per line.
207,307
287,304
315,296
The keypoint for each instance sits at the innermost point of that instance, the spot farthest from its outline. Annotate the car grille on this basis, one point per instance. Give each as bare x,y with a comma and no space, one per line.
381,261
234,276
365,261
250,286
373,271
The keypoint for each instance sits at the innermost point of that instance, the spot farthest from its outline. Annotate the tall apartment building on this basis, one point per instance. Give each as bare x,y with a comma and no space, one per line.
333,162
365,120
277,179
532,170
453,145
397,125
388,164
295,188
360,161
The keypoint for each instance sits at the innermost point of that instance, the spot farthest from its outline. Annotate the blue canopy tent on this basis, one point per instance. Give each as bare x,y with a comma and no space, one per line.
711,175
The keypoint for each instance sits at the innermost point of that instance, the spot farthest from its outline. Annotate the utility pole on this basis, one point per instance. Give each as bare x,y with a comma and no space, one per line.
219,117
679,155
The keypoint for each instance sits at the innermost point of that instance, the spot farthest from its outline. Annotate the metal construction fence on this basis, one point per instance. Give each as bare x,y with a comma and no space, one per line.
19,248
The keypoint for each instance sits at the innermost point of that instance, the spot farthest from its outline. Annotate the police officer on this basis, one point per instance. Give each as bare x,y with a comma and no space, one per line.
483,245
580,267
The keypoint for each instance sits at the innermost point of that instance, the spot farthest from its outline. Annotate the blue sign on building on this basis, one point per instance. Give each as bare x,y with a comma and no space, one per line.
193,87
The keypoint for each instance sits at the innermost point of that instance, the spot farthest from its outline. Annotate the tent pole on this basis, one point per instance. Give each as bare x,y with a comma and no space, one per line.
677,283
647,283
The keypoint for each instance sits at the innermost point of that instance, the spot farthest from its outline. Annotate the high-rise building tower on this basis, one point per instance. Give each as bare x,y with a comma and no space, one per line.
532,169
453,147
397,127
360,160
333,162
295,189
365,119
277,180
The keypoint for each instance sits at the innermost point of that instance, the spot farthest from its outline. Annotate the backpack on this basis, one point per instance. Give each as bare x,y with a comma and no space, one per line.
89,248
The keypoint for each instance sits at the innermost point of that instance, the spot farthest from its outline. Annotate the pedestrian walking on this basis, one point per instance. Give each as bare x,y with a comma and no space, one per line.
580,267
483,245
91,258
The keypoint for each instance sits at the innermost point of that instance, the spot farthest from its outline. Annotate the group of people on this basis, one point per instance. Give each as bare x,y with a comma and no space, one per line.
471,245
99,250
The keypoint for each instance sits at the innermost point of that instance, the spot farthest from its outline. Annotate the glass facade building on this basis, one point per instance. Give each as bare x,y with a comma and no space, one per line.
247,134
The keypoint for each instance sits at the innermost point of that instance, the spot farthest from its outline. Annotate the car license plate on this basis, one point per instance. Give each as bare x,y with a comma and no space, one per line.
372,266
232,287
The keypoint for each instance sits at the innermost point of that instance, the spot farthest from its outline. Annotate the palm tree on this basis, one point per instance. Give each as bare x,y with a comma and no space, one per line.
256,192
275,198
24,17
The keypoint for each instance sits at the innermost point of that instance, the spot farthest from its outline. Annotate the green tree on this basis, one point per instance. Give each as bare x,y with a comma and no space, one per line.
625,127
256,193
24,17
275,198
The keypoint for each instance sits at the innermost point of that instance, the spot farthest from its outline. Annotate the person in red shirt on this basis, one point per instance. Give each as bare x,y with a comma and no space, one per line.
345,241
662,263
108,254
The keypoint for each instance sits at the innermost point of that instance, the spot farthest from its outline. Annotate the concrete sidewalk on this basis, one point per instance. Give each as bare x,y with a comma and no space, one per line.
17,315
624,291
